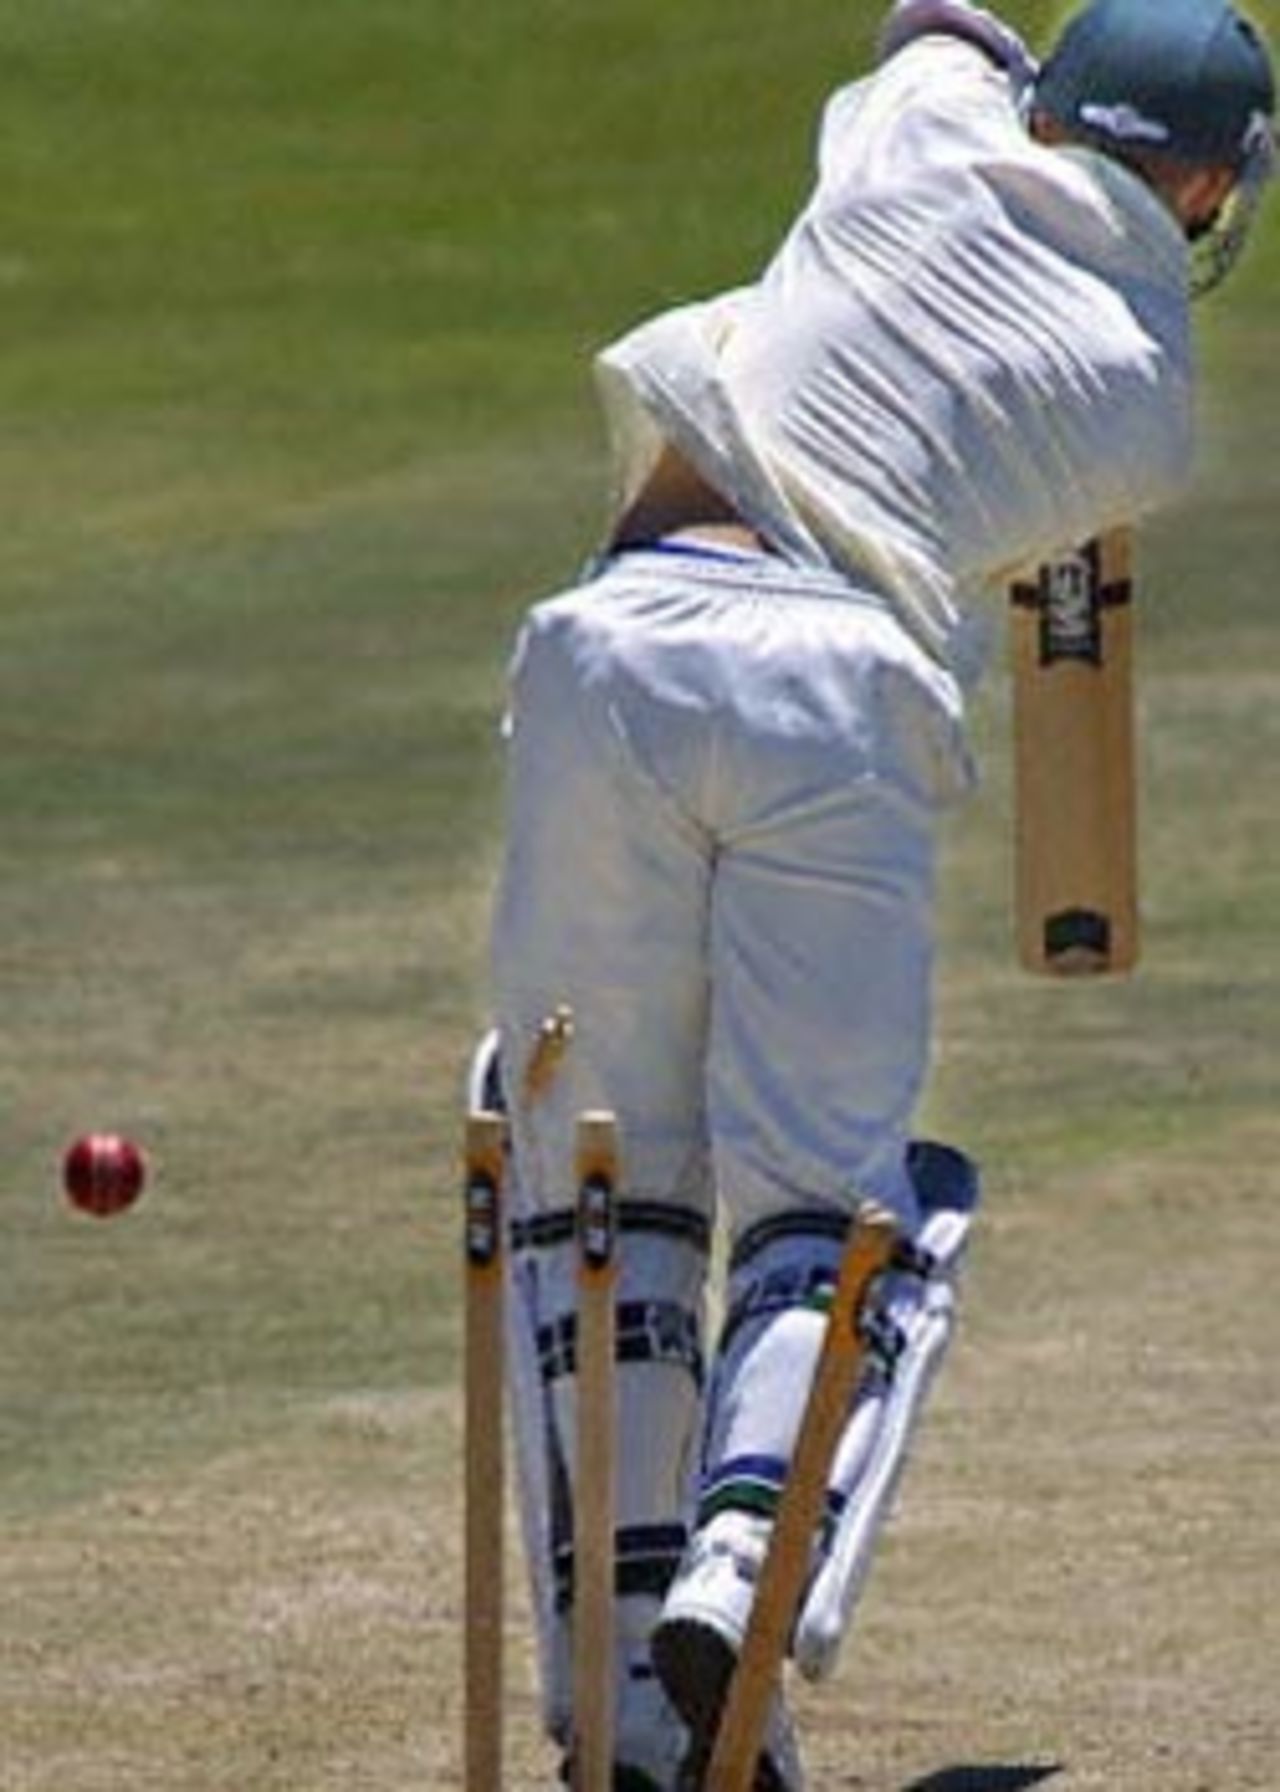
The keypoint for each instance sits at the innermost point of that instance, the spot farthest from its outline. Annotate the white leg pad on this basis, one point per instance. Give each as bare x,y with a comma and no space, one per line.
659,1381
917,1313
663,1261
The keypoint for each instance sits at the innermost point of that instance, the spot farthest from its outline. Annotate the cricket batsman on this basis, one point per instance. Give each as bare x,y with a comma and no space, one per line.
732,740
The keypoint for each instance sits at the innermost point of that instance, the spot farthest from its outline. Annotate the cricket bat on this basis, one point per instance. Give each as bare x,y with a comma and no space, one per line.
1075,810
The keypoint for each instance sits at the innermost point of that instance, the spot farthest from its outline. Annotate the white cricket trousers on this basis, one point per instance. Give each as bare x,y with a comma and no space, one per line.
725,780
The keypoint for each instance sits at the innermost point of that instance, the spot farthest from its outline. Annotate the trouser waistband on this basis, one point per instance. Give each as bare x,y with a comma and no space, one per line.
709,563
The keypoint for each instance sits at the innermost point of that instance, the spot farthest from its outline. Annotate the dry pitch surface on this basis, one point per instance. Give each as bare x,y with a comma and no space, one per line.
1079,1588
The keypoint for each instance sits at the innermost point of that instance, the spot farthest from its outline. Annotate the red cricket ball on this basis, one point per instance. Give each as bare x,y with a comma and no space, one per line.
103,1173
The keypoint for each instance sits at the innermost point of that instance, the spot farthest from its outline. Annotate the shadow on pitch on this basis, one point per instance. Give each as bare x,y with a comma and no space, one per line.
983,1779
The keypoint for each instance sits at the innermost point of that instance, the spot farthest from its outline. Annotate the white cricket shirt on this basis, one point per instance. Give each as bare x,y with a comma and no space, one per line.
970,351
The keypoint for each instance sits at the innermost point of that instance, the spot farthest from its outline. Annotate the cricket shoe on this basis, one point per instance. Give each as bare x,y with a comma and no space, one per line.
625,1779
650,1742
699,1638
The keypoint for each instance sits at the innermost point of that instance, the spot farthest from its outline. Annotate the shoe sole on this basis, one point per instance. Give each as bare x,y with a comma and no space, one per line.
625,1779
695,1665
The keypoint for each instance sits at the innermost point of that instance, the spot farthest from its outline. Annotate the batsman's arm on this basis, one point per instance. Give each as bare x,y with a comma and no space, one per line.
911,19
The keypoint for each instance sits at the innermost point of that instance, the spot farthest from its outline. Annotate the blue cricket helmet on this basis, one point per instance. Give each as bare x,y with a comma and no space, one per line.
1191,79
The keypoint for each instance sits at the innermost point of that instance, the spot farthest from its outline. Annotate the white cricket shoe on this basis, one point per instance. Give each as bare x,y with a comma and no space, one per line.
650,1742
699,1637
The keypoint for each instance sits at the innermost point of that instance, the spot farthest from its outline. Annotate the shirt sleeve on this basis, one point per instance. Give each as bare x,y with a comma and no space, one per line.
911,19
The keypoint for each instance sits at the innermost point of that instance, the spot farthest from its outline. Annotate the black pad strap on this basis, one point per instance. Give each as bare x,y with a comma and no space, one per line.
648,1331
646,1558
941,1175
542,1231
827,1223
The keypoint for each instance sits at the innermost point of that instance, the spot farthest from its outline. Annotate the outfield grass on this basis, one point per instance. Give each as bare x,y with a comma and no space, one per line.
297,301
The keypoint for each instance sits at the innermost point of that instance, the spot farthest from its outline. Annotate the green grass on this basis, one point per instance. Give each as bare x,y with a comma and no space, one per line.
297,302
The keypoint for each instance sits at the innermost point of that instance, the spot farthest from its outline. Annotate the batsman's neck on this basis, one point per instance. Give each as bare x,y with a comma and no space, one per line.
1194,192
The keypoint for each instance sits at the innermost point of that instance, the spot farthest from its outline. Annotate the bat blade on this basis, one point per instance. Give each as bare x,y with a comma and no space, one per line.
1075,840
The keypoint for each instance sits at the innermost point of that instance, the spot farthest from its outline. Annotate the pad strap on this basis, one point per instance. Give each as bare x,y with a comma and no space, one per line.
812,1285
664,1219
646,1557
756,1484
943,1178
648,1331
